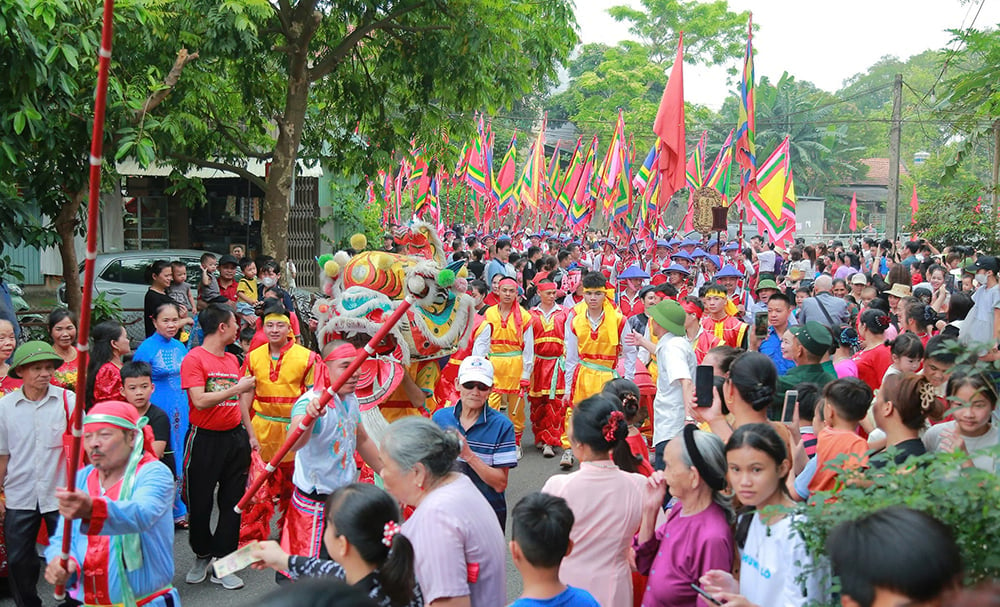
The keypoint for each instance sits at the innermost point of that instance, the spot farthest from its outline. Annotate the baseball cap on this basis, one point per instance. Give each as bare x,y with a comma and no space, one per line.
227,260
814,337
988,262
859,279
476,368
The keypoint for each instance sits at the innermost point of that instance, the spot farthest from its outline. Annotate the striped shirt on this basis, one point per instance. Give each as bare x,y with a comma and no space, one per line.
491,438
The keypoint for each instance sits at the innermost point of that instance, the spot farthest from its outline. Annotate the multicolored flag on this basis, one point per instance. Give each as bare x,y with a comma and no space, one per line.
695,177
669,127
578,191
645,172
477,169
718,175
571,179
772,184
530,187
552,176
611,167
504,190
745,152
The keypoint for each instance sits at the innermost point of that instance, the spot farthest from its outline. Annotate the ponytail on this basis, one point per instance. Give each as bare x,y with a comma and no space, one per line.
396,573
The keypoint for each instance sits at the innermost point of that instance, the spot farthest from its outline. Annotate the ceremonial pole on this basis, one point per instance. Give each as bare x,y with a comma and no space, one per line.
324,398
83,332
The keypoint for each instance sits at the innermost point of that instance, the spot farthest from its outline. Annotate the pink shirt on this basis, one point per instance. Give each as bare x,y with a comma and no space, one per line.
607,505
683,549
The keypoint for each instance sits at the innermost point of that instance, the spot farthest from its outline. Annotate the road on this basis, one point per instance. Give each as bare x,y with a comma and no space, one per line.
530,475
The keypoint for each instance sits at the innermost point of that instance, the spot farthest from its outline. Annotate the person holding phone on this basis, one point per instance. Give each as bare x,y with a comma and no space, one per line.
779,312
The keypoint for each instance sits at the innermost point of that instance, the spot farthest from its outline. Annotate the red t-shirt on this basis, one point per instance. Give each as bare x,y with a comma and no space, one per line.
214,373
872,365
229,292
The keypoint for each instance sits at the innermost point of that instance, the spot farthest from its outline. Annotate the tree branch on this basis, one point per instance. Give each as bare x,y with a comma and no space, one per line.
219,166
183,58
338,53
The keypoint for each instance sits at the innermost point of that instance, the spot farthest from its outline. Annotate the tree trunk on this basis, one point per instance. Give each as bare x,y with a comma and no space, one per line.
277,194
65,224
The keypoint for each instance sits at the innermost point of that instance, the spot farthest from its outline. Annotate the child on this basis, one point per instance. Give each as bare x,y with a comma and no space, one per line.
633,454
246,291
363,539
208,288
907,354
845,403
246,337
974,427
180,291
137,387
808,399
539,540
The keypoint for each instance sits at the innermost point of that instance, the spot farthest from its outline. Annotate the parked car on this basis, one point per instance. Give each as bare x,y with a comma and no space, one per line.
125,275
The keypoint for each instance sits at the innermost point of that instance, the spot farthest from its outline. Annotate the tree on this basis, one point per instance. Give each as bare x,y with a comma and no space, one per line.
351,84
713,35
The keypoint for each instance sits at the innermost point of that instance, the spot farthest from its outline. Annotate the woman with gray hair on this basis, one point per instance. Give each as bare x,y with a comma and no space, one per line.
696,536
460,554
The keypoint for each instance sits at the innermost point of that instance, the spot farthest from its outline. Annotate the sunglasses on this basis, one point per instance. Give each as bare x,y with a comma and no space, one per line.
475,385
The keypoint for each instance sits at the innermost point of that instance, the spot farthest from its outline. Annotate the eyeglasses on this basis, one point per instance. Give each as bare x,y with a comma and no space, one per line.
475,385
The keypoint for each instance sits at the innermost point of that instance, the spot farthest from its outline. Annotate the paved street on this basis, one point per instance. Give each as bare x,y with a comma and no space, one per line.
529,476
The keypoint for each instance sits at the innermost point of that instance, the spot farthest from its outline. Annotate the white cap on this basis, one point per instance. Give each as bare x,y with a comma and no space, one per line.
476,368
859,279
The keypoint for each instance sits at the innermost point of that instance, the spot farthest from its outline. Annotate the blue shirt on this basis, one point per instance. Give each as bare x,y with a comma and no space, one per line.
771,347
571,597
491,438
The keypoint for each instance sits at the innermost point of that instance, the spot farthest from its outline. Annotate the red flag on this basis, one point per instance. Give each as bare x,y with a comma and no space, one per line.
979,205
854,214
914,206
669,127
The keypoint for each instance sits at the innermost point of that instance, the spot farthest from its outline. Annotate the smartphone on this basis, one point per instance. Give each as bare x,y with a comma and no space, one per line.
760,323
704,383
704,593
791,402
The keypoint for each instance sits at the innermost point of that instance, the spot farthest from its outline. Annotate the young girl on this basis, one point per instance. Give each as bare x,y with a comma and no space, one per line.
907,353
974,428
772,554
363,538
110,344
633,454
848,343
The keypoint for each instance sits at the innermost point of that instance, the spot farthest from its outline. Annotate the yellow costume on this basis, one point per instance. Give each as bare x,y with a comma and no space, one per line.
506,352
279,384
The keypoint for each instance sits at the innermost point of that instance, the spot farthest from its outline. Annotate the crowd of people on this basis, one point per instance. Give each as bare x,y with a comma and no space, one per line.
825,353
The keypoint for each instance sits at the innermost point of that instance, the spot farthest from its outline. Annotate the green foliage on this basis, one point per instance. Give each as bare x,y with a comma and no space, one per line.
106,308
713,35
963,498
351,213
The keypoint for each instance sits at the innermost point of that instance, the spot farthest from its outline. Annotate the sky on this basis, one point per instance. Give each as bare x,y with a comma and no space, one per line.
824,42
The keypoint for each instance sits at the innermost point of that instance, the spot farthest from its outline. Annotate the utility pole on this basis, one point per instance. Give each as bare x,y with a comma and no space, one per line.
892,202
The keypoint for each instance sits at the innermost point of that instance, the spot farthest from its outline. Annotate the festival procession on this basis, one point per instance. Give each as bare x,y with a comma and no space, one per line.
653,353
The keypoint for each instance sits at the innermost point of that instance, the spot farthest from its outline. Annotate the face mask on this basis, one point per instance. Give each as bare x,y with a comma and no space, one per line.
981,278
268,282
920,258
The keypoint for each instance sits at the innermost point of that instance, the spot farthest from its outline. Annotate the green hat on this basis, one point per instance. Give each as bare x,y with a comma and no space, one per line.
670,315
33,352
767,283
814,337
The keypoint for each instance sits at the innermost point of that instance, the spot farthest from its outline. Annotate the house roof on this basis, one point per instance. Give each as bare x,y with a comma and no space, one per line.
878,171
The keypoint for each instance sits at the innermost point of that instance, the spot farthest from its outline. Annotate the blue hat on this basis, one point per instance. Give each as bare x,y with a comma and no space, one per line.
676,267
698,252
732,246
712,242
687,242
673,242
632,272
715,260
728,271
663,243
682,255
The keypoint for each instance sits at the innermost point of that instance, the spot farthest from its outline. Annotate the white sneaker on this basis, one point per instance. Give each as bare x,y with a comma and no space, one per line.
548,451
520,453
566,461
198,571
229,582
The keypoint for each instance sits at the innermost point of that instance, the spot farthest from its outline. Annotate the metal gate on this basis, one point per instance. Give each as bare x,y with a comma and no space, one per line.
303,231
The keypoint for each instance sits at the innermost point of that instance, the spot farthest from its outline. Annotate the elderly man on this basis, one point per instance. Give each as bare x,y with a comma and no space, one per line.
807,344
32,422
123,527
823,307
488,446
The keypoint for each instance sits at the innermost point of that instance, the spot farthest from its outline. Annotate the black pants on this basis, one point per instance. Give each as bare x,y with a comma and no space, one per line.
215,460
20,530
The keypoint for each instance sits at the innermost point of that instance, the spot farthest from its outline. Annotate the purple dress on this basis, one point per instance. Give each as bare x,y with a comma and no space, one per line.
682,550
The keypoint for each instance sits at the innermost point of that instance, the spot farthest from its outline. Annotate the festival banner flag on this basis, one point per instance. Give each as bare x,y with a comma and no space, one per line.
745,151
611,167
530,191
694,177
772,184
579,194
669,127
718,175
505,191
853,225
571,179
914,206
645,172
551,175
477,168
788,211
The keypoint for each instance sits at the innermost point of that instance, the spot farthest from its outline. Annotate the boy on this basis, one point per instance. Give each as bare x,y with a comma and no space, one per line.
180,291
208,289
845,403
246,291
539,541
137,387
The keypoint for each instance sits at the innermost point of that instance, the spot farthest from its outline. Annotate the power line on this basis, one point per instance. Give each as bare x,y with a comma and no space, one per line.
954,51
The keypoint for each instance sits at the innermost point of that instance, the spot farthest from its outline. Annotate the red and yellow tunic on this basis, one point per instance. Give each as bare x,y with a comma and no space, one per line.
279,383
598,350
550,350
506,346
730,330
704,342
630,306
445,392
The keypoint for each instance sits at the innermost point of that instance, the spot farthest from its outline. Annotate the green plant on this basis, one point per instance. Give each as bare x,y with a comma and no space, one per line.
105,308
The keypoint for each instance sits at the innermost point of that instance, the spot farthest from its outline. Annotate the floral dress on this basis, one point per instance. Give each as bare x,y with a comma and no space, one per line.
65,375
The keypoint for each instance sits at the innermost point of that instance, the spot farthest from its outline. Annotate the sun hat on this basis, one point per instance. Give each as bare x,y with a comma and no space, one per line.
632,272
728,271
676,267
32,352
899,290
670,315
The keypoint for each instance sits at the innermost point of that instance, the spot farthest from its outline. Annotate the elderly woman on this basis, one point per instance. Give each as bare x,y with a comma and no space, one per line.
696,537
459,548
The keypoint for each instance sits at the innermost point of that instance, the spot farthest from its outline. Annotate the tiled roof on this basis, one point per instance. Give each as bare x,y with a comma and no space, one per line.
878,171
